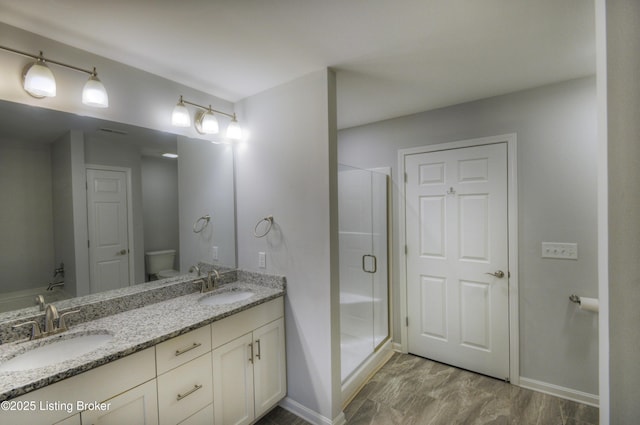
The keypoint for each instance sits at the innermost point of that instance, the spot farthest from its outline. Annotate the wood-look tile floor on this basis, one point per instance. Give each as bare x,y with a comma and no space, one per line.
410,390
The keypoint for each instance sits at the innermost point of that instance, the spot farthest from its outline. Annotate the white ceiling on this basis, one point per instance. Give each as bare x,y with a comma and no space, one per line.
392,57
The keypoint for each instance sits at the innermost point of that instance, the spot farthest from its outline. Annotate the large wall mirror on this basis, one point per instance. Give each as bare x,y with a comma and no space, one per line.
90,205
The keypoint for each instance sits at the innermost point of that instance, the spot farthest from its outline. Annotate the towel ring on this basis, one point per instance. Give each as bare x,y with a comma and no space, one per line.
269,220
205,222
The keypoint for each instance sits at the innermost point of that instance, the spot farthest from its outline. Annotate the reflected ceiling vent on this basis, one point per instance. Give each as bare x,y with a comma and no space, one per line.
114,131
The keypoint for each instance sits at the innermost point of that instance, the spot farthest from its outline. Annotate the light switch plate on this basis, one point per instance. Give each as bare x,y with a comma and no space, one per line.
262,260
215,253
563,251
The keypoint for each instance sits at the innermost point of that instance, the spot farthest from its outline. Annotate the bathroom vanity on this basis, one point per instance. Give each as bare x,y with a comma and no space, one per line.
215,358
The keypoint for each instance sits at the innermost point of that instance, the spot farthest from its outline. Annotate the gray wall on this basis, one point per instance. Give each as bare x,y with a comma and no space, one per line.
205,181
623,87
26,226
557,147
160,205
63,225
288,169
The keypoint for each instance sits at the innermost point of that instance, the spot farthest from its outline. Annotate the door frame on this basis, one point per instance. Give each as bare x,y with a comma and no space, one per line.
512,229
130,238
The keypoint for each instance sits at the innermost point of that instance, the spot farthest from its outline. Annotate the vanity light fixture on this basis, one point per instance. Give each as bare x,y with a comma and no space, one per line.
205,121
170,155
39,82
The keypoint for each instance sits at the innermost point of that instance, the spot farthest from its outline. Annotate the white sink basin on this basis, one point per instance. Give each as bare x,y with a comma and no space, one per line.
226,297
56,351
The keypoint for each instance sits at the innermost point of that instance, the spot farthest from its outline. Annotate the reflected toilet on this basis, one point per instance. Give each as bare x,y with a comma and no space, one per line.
159,264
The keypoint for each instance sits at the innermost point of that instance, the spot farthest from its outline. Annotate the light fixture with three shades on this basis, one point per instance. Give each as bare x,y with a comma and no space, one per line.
205,121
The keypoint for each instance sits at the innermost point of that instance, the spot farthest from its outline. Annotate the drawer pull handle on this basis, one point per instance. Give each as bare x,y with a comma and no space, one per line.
258,349
184,350
251,351
188,393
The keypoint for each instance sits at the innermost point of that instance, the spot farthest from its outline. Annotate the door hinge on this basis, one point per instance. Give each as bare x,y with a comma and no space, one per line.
406,177
406,320
88,243
406,250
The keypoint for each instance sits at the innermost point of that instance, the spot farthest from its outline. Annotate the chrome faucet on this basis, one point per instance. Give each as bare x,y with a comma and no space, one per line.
54,323
212,281
50,317
194,268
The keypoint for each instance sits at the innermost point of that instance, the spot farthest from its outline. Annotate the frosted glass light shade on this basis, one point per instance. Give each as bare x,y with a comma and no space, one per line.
94,93
234,131
39,80
180,116
209,124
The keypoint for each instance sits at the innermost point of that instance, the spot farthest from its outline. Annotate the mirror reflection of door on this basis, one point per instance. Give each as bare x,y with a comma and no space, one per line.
107,208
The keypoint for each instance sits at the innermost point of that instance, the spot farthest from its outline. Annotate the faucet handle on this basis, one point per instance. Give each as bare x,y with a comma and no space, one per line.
62,324
35,328
40,302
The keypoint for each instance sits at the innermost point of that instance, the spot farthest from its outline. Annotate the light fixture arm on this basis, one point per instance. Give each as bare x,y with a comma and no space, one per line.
42,58
208,108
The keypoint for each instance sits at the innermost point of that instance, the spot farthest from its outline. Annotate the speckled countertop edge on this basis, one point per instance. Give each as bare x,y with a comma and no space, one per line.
132,331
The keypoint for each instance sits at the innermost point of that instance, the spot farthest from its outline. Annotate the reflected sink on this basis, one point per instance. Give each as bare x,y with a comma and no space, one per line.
228,297
55,351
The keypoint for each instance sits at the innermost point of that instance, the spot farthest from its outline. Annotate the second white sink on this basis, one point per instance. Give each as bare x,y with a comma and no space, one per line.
226,297
55,351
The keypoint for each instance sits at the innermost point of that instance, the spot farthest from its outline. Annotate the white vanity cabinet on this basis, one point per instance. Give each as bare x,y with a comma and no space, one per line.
230,372
58,402
249,371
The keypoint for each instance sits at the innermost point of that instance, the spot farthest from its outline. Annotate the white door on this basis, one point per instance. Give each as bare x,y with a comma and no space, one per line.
108,229
457,257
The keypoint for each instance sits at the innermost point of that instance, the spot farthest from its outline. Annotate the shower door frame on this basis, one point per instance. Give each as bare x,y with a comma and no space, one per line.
385,342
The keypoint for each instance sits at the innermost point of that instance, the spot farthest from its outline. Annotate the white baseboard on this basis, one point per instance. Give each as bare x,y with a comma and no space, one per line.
397,347
562,392
309,415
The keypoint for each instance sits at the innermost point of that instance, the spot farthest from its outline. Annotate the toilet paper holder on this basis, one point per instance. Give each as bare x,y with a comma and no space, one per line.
574,298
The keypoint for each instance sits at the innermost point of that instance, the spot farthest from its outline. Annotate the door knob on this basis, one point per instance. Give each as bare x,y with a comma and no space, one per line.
499,274
123,252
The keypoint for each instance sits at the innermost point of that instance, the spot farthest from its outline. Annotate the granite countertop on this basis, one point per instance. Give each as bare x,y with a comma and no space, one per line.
132,331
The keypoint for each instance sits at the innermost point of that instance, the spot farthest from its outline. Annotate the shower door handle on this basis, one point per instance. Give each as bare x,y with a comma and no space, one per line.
364,263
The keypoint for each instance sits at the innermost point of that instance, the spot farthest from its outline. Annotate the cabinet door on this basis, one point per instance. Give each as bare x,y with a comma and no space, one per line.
269,370
138,406
233,382
73,420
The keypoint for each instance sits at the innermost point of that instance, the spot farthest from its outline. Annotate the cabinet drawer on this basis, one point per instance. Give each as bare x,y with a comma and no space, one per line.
185,390
181,349
235,326
205,416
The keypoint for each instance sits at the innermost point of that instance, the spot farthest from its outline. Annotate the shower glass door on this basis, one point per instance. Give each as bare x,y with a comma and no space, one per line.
364,311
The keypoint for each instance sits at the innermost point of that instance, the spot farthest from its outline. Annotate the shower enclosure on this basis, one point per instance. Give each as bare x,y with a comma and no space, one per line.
363,244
